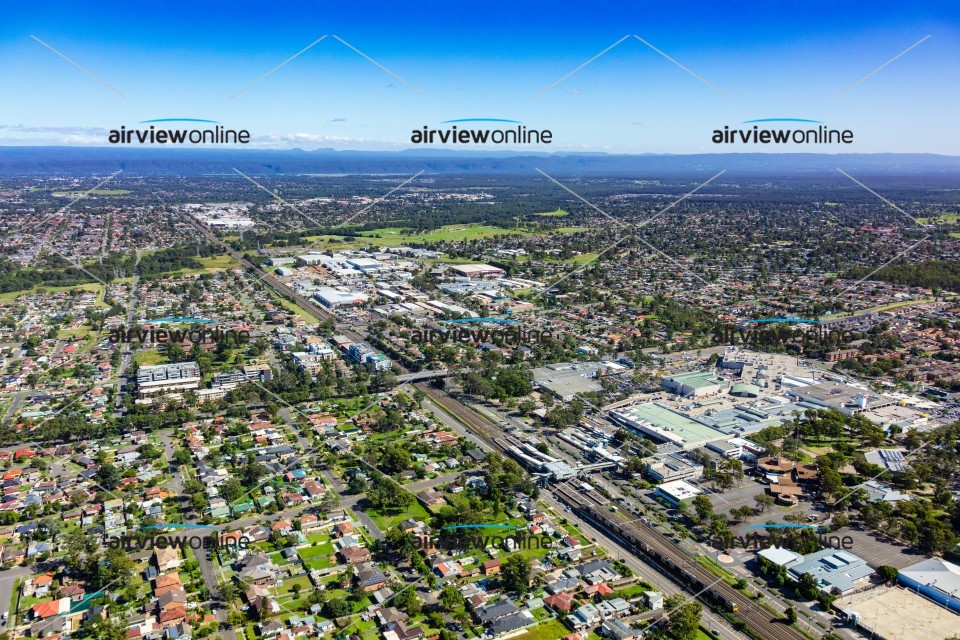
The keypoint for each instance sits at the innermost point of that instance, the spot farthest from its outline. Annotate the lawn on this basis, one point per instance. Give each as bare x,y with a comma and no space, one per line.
309,553
559,213
551,630
716,569
453,232
633,591
943,218
464,232
296,310
149,357
385,521
77,332
320,537
583,258
13,295
303,581
318,562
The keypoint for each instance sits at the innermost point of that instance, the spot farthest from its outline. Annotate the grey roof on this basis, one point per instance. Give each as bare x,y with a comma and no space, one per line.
496,610
510,623
890,459
832,569
935,573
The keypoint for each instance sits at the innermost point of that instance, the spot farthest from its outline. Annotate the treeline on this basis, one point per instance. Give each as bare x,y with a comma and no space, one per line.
63,273
74,426
931,274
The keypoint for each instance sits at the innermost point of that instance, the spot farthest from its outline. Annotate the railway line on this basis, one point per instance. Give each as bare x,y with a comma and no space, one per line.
638,537
307,305
643,539
480,426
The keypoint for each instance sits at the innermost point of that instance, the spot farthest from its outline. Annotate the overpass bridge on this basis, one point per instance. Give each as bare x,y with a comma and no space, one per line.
422,375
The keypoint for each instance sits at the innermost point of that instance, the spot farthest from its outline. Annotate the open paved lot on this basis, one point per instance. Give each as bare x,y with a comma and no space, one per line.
898,614
878,552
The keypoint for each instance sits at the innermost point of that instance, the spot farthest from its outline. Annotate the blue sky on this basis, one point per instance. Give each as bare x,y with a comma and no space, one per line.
185,59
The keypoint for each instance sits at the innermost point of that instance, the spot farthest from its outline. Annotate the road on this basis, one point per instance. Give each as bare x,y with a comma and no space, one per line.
643,570
126,358
18,399
491,432
7,580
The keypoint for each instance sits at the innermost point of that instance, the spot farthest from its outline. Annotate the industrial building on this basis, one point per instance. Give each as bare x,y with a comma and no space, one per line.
477,270
667,467
673,493
366,266
662,424
839,572
836,571
844,398
889,459
694,385
566,380
331,297
744,419
935,578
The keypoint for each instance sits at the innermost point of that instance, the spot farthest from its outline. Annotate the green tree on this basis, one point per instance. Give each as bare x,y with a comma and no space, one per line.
888,573
231,489
116,568
764,501
683,617
336,608
703,507
228,590
515,574
807,587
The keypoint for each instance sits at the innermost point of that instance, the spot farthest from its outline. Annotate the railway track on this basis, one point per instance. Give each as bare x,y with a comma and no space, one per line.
641,538
480,426
308,305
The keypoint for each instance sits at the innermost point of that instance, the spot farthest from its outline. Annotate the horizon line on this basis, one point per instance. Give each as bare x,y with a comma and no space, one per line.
470,151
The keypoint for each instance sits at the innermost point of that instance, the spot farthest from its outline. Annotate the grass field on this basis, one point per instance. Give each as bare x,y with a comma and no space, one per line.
583,258
211,264
877,309
398,236
296,309
943,218
559,213
222,261
308,553
79,332
387,520
149,357
92,286
551,630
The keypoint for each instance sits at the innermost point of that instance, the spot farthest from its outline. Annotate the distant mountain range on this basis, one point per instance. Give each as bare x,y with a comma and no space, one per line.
149,161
